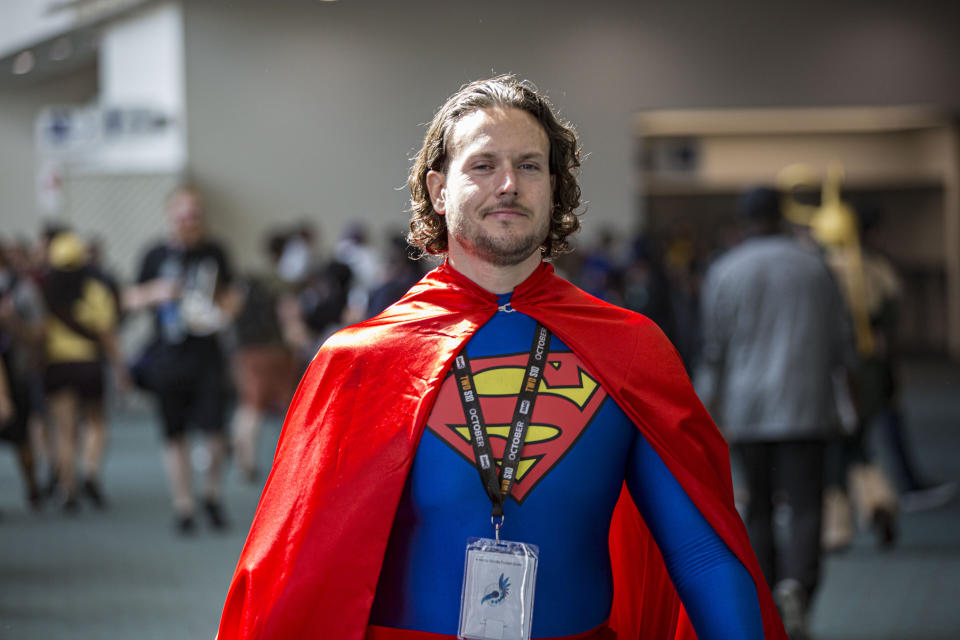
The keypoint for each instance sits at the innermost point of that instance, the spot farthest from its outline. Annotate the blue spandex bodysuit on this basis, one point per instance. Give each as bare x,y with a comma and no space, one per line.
578,451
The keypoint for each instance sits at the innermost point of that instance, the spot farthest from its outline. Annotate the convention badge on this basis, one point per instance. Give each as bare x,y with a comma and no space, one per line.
498,584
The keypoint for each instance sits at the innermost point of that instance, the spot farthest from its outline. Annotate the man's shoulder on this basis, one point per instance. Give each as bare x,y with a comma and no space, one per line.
156,249
153,256
210,247
766,250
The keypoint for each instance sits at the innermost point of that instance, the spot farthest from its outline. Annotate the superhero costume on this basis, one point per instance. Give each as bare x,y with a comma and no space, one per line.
314,553
579,448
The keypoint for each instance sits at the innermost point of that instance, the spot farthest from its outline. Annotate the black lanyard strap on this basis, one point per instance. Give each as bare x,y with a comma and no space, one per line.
499,488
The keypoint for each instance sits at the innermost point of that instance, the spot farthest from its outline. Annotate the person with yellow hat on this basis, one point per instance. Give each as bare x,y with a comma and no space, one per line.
80,336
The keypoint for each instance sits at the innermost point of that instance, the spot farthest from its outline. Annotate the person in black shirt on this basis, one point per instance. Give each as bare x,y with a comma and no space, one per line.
187,281
21,331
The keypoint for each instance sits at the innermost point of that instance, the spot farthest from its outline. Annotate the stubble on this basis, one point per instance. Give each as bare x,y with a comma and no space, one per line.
505,249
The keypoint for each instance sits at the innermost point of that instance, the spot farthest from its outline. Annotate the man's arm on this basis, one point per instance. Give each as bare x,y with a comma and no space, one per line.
21,314
149,294
107,325
228,297
150,290
7,408
717,591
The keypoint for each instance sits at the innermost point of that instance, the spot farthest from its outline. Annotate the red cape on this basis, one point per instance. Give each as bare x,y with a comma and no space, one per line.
310,565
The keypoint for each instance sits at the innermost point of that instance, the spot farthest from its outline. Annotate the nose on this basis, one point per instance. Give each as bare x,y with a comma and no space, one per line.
508,182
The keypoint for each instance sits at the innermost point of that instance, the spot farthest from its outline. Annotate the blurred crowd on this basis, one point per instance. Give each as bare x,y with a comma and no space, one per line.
58,318
227,349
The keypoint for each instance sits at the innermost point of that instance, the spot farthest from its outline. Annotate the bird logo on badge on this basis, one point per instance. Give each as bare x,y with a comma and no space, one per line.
495,594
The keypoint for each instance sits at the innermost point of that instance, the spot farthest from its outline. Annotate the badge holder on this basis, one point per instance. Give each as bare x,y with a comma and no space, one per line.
498,584
496,602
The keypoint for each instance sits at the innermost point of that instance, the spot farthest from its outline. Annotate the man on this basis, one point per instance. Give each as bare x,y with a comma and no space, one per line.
21,333
878,376
363,525
775,337
80,336
186,281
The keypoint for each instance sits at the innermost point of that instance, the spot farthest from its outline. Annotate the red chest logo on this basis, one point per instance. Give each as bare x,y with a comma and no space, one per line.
567,400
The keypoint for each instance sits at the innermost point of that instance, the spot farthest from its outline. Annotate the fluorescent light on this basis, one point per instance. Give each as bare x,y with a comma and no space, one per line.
61,49
23,63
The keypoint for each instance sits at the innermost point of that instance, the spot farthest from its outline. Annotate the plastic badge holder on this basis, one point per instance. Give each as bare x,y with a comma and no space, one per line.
498,587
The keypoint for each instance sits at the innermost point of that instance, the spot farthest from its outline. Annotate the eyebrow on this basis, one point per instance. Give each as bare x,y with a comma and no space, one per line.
536,155
487,155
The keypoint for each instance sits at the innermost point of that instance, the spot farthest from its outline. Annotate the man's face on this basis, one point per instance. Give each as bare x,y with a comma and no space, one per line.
186,217
497,191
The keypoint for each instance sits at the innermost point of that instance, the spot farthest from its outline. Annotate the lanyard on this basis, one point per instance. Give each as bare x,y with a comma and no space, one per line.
499,488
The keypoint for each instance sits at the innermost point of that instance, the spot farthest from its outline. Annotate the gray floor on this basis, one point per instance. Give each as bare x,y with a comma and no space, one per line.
124,574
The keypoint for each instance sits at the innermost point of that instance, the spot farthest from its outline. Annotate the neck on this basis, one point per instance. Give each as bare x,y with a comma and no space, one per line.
495,278
762,228
181,243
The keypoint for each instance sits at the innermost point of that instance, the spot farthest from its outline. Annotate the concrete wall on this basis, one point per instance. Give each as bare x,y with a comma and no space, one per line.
311,109
300,109
18,158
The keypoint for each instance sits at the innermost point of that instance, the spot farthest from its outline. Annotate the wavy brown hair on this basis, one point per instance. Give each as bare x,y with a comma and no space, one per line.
428,229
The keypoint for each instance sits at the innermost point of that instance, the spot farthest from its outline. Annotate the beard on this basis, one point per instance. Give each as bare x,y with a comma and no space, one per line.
506,249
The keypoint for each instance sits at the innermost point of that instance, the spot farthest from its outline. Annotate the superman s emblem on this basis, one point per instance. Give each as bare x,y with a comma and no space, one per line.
567,400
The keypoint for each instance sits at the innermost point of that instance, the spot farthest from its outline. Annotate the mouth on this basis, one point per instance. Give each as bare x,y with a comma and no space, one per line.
506,213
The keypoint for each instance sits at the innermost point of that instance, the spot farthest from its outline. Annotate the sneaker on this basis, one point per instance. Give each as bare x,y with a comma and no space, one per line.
215,515
185,524
70,506
49,490
837,527
251,475
928,497
35,499
884,524
91,489
791,603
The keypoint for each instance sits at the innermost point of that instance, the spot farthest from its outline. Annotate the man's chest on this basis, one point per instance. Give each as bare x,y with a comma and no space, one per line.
567,405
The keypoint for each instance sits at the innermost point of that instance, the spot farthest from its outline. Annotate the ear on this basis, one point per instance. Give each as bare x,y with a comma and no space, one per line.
436,183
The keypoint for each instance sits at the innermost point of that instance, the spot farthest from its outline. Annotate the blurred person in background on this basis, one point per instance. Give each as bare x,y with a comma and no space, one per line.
19,256
883,410
80,336
265,369
284,317
97,261
30,261
21,331
872,293
682,265
646,288
600,270
363,524
13,429
315,293
187,281
40,254
775,333
401,272
366,266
